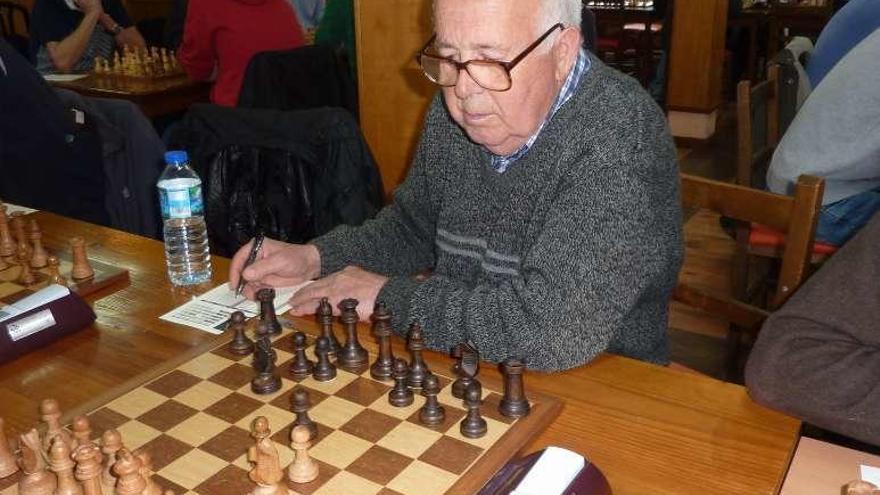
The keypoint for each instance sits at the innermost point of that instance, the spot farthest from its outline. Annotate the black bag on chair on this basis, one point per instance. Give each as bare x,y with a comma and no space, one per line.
291,175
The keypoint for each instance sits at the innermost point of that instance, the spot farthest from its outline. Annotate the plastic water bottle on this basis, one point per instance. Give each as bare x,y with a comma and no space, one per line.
186,236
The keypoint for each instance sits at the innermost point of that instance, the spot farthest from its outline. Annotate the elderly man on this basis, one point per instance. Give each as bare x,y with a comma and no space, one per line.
540,218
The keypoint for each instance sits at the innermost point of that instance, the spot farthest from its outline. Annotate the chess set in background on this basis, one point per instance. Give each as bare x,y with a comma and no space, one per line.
323,421
139,63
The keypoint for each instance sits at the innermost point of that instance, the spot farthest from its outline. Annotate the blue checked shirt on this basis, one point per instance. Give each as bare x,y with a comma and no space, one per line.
581,66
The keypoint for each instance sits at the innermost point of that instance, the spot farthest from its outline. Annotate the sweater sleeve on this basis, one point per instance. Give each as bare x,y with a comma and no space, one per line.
818,357
400,239
577,286
197,54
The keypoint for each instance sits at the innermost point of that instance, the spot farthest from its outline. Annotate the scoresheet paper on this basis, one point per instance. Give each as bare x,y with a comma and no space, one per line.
211,311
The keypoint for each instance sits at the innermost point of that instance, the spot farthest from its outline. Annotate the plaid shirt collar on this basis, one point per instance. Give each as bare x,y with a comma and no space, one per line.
581,66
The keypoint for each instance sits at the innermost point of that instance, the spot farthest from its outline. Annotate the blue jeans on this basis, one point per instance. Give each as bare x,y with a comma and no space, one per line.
840,220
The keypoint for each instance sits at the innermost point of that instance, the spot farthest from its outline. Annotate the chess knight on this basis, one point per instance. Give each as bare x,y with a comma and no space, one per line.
267,472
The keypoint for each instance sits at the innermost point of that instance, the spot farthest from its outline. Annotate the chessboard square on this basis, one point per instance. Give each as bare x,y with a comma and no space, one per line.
202,395
283,401
234,376
379,465
247,392
229,444
495,429
489,409
284,369
173,383
451,455
230,479
409,439
451,418
346,483
283,355
233,407
445,397
325,473
164,450
168,485
363,391
135,434
342,379
198,429
340,449
194,468
205,365
383,406
9,484
388,491
278,418
224,352
334,412
104,419
370,425
424,479
136,402
166,415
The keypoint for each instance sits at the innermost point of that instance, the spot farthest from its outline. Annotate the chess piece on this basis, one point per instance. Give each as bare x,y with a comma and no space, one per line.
514,403
300,404
241,345
55,276
26,277
7,245
325,319
303,469
88,468
859,487
466,368
81,268
111,443
62,465
82,430
400,395
383,368
418,370
16,220
128,470
50,413
267,379
324,369
352,357
39,258
267,309
267,472
473,425
301,366
146,471
35,480
8,466
431,413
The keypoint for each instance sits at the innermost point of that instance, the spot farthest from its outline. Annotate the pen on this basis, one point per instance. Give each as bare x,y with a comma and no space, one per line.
255,250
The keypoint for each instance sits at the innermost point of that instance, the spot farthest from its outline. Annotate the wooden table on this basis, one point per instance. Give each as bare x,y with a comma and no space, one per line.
155,97
821,468
650,429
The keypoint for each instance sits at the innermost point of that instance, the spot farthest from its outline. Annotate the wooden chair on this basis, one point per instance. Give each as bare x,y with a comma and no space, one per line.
796,216
14,25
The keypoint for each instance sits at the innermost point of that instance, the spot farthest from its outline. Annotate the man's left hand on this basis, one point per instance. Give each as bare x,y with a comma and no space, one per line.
131,37
350,282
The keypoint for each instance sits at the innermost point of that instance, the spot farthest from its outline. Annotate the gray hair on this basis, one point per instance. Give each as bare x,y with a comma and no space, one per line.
567,12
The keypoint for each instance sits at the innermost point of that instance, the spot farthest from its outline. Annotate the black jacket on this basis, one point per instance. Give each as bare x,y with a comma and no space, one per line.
292,175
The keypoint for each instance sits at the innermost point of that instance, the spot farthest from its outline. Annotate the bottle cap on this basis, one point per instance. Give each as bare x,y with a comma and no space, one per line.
176,157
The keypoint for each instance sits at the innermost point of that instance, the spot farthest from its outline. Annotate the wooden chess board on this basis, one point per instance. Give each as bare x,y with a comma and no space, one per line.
105,275
194,417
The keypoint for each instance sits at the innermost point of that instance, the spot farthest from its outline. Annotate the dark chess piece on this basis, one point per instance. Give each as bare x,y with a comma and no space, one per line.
352,356
267,379
267,309
383,368
514,404
432,413
325,320
401,395
324,370
466,368
473,425
418,370
300,404
301,366
241,345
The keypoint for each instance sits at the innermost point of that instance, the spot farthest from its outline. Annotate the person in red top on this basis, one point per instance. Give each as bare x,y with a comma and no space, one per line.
221,36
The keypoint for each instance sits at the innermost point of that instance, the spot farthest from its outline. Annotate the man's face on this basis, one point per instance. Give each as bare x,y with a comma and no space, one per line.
502,121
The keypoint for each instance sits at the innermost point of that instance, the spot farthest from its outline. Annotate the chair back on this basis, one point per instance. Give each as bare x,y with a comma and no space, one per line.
8,24
757,115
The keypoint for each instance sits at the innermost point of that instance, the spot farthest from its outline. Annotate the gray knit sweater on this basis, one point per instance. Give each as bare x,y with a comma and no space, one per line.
571,252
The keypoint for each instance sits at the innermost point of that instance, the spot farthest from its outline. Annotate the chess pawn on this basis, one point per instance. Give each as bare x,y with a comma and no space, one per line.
7,245
82,430
88,468
8,466
303,469
111,443
401,395
26,277
300,405
473,425
35,480
98,67
431,413
301,366
81,268
324,369
55,276
241,345
128,470
50,413
62,465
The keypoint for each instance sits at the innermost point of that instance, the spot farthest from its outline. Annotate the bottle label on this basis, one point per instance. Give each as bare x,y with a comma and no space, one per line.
181,203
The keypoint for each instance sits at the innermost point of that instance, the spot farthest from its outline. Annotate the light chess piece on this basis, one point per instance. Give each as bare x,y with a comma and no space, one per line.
128,470
859,487
39,258
82,430
50,413
147,472
55,276
303,469
7,245
266,472
111,443
62,465
88,468
8,466
35,480
82,270
26,277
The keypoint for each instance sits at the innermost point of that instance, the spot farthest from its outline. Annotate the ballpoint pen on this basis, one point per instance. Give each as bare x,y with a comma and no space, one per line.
255,250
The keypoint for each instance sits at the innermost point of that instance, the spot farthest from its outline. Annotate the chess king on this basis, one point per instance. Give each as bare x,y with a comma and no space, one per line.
542,202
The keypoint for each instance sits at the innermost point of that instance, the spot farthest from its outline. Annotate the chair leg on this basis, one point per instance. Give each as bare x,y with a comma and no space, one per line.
733,370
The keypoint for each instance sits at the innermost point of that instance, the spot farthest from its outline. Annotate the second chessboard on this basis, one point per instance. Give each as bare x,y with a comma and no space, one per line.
141,63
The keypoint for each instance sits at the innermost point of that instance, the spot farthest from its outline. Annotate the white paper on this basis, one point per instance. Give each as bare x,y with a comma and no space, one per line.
870,474
11,208
64,77
552,473
225,296
40,298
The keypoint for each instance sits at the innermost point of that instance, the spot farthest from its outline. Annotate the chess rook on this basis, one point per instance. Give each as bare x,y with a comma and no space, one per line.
301,366
325,320
240,345
514,403
415,343
267,309
81,268
401,395
324,369
352,356
8,466
383,368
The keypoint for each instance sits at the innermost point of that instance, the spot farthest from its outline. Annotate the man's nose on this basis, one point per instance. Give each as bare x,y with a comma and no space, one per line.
466,86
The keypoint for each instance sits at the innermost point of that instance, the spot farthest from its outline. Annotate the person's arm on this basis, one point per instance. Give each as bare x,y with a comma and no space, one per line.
65,54
818,357
197,54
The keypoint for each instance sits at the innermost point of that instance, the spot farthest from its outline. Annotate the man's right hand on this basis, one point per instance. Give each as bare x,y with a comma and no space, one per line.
277,265
90,6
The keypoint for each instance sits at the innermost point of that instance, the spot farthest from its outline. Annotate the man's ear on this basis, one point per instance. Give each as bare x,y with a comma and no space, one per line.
565,51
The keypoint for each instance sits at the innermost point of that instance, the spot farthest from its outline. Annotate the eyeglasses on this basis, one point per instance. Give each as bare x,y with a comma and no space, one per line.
490,74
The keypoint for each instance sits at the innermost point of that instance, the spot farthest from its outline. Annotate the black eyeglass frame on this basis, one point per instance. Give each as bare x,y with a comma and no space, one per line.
507,66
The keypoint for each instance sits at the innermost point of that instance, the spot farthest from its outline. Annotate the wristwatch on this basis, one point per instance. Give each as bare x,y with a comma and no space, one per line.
116,29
